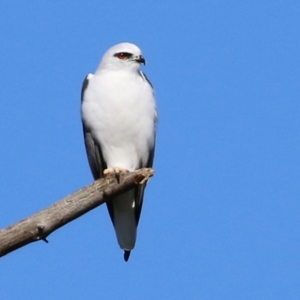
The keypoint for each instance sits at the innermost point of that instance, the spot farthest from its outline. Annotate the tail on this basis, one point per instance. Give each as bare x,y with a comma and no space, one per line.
124,220
126,255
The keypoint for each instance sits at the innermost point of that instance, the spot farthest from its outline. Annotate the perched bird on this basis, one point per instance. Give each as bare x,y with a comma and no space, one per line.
118,112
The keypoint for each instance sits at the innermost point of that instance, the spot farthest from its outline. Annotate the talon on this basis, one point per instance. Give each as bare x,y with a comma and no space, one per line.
118,172
108,171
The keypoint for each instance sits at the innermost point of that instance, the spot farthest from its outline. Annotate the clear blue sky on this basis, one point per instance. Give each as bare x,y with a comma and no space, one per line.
221,216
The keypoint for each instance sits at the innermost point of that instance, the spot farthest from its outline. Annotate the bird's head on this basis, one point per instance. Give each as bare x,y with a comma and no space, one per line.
123,56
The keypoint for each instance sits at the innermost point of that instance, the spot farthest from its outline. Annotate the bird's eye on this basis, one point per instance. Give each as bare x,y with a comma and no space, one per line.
122,55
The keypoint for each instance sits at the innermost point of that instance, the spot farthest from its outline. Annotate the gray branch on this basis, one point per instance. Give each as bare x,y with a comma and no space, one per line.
40,225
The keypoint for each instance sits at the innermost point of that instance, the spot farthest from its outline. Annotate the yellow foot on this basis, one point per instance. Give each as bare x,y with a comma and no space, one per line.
116,171
120,170
108,171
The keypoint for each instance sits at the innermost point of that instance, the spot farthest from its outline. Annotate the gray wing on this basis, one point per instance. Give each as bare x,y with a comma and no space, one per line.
94,152
143,75
139,192
93,149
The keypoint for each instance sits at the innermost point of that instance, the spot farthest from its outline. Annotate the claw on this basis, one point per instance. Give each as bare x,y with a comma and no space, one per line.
117,171
117,174
108,171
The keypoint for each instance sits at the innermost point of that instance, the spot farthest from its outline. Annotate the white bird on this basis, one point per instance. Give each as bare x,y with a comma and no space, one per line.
119,117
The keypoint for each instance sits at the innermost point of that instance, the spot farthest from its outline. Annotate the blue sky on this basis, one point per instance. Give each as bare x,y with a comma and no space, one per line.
221,215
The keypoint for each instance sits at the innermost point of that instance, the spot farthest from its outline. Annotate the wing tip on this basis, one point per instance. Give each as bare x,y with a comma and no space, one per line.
126,255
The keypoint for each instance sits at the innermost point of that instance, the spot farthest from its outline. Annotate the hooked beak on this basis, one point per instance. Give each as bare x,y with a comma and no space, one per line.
140,59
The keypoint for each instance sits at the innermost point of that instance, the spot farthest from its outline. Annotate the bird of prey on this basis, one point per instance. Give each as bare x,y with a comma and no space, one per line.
118,112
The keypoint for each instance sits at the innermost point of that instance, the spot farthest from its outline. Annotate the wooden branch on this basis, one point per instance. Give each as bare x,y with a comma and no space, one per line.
40,225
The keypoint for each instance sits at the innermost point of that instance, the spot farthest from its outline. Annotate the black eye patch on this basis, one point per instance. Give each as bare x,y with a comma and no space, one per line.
123,55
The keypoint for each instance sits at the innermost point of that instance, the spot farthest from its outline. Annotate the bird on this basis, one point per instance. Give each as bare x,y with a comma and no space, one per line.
119,117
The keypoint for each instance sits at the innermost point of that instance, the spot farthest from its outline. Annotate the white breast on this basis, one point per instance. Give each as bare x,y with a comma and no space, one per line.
119,108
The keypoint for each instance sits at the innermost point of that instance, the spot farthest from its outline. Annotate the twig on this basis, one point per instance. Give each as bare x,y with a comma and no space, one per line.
40,225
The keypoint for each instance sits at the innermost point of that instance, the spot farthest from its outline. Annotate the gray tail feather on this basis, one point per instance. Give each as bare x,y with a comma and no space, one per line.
126,255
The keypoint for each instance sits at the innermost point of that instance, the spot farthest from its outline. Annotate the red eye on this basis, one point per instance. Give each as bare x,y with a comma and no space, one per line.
122,56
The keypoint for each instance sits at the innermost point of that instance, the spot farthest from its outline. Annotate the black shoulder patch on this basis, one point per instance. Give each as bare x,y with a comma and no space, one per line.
143,75
84,86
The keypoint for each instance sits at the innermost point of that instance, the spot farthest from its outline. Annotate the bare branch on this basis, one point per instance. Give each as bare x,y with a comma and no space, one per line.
40,225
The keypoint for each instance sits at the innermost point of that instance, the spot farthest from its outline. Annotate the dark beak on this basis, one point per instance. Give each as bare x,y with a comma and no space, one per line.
141,60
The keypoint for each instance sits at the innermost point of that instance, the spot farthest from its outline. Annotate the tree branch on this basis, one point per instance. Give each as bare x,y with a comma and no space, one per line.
40,225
